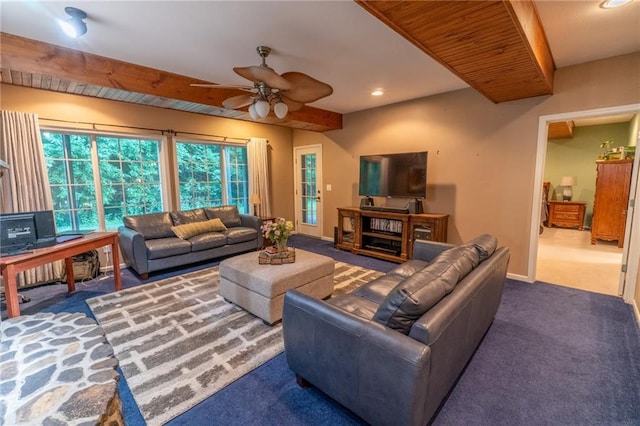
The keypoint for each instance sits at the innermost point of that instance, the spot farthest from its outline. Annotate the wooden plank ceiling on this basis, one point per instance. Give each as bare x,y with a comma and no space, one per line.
497,47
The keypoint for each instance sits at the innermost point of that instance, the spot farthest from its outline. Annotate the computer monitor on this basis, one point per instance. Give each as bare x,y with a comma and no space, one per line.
24,231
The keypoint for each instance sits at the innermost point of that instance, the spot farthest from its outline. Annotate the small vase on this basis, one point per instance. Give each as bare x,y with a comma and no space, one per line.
281,246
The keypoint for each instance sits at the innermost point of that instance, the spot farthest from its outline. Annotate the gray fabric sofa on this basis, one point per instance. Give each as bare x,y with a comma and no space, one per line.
392,350
149,242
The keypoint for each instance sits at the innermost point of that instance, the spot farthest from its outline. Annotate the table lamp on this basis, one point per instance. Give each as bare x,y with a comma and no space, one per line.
255,200
567,182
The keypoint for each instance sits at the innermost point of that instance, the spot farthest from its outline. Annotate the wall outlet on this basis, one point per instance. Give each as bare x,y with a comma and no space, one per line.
106,249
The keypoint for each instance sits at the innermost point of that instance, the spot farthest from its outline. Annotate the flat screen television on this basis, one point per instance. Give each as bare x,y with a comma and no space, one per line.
394,175
24,231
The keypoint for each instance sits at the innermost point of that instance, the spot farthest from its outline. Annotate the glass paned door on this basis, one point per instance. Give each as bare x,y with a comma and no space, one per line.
308,175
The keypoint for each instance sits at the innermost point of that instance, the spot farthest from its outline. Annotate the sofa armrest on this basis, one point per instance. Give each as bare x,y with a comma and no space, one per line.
428,250
254,222
133,249
376,372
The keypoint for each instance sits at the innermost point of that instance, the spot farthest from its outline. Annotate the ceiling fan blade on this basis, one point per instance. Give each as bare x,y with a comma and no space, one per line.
292,105
224,86
305,88
236,102
263,74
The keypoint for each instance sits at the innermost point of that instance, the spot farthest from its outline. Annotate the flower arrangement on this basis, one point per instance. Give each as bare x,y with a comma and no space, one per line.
278,232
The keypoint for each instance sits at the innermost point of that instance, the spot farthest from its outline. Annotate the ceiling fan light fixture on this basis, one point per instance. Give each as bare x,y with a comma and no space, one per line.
281,109
253,113
262,108
74,27
610,4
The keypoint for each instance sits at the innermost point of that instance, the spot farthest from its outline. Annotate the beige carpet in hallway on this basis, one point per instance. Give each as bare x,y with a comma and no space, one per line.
567,257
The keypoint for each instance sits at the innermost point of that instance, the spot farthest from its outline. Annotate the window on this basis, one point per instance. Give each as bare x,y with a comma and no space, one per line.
129,177
212,174
68,160
122,172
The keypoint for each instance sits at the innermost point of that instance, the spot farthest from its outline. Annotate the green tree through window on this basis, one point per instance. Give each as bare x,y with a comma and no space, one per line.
212,174
68,160
130,178
127,170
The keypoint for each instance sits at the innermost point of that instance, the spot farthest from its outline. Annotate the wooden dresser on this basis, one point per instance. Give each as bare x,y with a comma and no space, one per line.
567,214
611,201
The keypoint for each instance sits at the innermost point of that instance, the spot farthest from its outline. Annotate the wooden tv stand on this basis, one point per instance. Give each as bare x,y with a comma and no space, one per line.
387,235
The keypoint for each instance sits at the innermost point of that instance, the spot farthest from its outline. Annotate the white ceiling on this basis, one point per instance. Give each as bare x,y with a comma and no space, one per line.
337,42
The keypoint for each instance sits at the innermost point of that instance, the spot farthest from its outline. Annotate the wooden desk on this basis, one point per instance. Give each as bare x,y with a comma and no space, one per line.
566,214
11,265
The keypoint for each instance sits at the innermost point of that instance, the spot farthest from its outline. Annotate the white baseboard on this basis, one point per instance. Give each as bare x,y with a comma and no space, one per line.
636,311
518,277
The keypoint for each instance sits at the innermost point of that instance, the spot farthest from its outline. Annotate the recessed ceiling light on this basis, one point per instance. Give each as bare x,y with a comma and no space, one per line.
377,92
610,4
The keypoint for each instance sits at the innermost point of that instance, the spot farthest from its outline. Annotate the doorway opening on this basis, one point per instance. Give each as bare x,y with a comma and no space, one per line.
575,262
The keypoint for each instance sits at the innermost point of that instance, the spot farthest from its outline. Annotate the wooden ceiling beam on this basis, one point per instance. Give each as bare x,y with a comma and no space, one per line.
22,58
497,46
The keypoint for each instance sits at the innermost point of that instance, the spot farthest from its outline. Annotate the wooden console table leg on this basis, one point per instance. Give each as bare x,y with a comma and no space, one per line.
71,280
11,291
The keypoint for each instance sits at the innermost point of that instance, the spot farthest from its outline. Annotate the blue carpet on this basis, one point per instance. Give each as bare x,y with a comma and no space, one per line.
553,356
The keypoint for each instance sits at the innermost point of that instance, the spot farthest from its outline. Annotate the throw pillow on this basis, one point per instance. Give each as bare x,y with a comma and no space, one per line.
189,230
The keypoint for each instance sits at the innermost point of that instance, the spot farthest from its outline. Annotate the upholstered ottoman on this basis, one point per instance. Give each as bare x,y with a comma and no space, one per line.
260,288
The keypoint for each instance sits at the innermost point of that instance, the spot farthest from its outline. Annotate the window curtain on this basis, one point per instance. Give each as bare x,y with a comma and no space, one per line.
25,185
257,157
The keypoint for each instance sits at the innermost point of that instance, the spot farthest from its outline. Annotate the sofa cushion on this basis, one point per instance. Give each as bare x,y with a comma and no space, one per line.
485,244
192,229
240,234
208,240
415,295
151,225
355,305
409,267
188,216
228,214
376,290
461,258
164,247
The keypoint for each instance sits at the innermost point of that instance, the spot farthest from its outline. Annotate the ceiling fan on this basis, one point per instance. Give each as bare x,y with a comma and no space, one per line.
286,92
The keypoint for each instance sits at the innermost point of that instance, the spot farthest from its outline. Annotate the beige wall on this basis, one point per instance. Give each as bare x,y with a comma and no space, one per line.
61,106
482,156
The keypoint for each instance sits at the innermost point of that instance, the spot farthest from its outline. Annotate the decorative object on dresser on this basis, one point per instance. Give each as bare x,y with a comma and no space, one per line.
613,181
387,235
566,214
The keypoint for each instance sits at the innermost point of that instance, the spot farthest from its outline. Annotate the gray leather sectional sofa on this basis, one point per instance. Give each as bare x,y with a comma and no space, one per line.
392,350
148,243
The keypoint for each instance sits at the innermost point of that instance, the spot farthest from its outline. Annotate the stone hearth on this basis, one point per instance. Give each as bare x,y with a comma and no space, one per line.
57,369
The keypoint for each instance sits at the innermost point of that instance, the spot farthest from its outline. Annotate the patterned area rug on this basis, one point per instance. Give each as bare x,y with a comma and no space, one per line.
179,342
